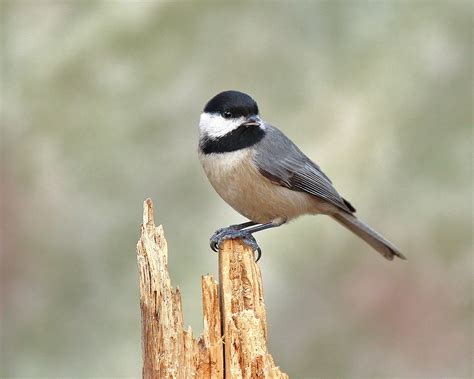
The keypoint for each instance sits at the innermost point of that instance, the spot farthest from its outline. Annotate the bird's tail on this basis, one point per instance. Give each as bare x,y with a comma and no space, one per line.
369,235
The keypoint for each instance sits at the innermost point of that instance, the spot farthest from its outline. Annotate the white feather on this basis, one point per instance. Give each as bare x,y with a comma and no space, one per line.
215,126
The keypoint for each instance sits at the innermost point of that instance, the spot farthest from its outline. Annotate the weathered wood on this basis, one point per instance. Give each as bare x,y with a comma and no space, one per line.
211,347
243,312
170,351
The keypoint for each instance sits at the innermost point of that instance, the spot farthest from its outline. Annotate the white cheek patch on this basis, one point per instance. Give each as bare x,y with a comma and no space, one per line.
215,126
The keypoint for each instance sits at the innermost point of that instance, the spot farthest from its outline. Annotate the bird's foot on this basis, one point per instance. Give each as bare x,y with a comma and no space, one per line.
232,232
235,227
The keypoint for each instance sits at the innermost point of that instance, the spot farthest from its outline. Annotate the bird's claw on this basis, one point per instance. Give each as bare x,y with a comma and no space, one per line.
222,234
231,232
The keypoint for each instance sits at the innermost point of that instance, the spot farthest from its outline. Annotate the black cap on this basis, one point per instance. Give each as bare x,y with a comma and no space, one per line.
232,104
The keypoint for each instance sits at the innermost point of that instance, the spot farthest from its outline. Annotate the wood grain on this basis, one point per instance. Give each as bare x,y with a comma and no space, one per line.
234,339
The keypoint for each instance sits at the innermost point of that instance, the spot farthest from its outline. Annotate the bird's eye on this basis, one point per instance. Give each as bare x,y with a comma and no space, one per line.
227,114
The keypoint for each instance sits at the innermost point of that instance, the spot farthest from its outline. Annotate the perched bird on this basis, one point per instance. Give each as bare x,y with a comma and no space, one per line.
263,175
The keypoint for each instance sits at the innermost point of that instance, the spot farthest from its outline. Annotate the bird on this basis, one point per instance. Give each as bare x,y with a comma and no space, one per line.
265,177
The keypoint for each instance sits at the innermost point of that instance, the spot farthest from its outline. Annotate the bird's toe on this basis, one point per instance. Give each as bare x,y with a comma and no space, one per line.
232,233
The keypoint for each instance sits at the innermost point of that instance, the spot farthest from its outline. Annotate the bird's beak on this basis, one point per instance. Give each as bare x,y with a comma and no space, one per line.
252,121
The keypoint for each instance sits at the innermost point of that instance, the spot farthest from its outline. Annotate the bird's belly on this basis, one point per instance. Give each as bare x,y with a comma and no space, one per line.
236,179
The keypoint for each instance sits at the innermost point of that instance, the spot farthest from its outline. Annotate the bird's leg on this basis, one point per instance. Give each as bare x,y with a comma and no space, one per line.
243,225
268,225
239,232
236,227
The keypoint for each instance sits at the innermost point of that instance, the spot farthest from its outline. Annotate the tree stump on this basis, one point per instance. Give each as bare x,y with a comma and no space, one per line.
234,340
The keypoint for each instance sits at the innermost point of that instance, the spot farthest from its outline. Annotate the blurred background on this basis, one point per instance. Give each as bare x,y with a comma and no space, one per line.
101,102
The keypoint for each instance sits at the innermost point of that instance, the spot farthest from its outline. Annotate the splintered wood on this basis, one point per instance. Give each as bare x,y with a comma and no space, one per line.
169,351
243,313
238,351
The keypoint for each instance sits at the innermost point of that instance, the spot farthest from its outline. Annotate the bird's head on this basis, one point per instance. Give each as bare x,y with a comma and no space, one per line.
226,112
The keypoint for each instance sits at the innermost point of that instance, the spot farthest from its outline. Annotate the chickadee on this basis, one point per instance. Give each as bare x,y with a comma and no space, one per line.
260,173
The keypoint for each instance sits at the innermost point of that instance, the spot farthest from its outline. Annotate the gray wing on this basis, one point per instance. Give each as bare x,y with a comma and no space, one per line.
280,160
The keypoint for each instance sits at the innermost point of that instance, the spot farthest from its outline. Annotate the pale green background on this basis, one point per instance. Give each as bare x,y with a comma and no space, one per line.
101,102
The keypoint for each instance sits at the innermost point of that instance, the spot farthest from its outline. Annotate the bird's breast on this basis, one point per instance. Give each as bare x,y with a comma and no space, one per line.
232,174
237,180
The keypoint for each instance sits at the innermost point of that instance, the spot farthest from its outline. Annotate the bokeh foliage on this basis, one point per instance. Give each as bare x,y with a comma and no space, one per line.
100,108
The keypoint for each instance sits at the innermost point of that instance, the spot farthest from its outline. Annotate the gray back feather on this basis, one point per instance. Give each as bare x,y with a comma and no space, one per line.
280,160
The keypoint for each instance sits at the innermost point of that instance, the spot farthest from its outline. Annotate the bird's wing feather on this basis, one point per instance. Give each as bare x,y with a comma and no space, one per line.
280,160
